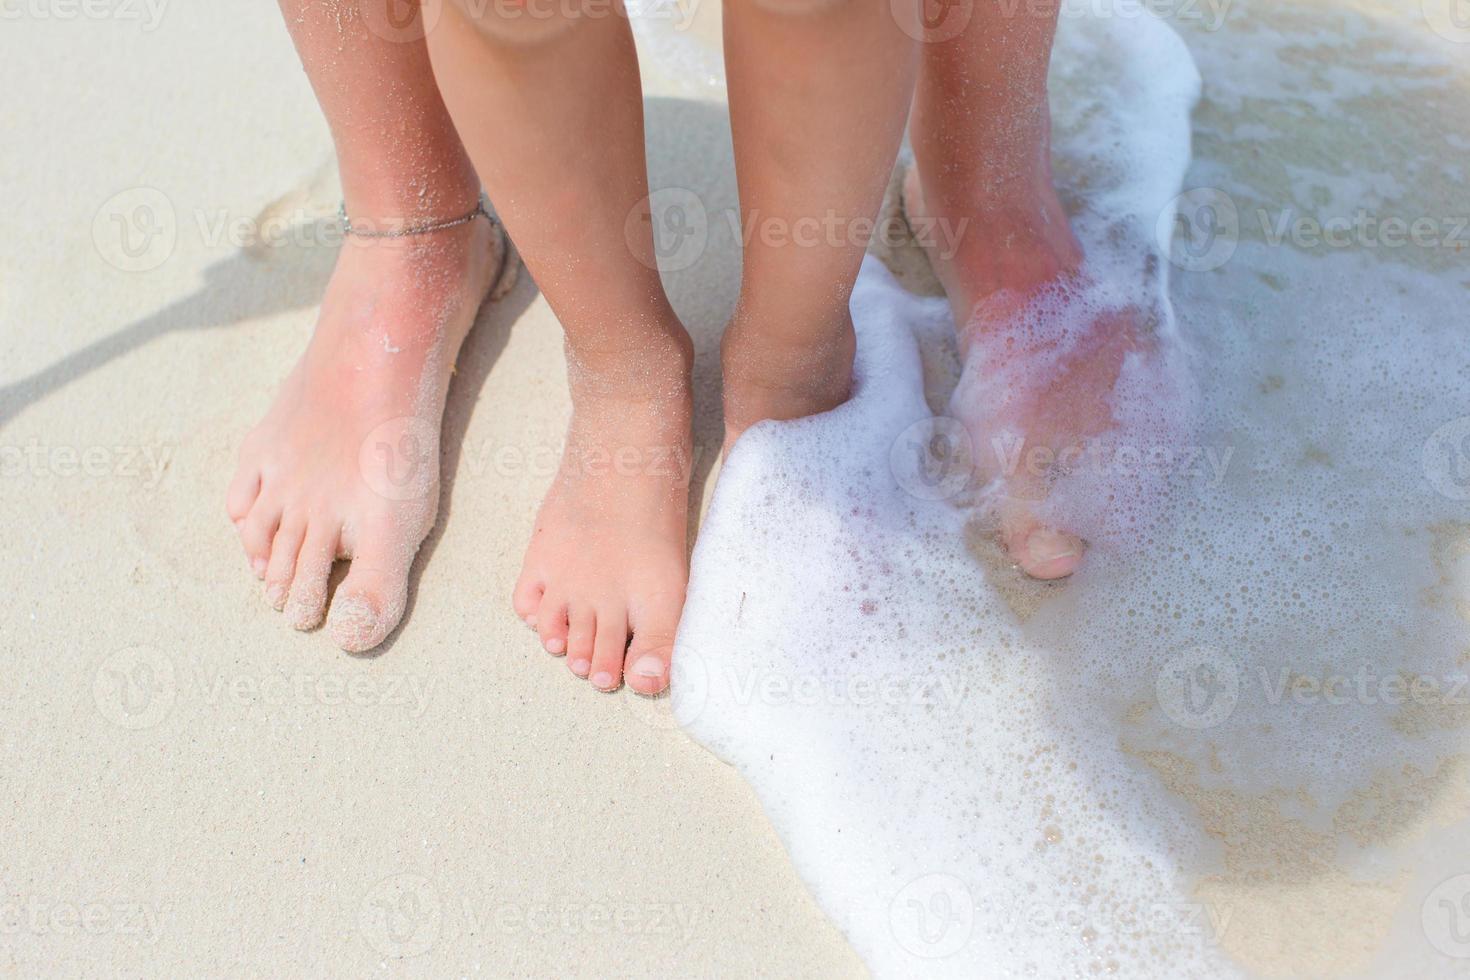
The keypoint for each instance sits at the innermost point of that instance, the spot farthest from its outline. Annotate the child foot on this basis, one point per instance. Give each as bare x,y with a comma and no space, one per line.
605,573
346,462
1041,358
768,375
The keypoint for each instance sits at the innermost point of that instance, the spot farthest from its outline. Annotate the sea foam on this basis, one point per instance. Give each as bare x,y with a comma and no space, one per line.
1235,741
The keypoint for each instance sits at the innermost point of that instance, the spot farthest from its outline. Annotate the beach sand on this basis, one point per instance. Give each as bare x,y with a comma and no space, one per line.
217,792
188,786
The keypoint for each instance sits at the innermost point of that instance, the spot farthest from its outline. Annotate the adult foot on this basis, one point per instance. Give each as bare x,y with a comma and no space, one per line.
605,573
1042,353
346,462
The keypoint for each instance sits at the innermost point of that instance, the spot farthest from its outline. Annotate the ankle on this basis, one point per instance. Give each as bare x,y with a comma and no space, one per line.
794,336
640,360
407,301
777,369
391,202
779,375
1019,243
1016,240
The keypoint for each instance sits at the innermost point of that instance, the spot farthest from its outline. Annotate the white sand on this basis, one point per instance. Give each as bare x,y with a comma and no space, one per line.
188,786
274,783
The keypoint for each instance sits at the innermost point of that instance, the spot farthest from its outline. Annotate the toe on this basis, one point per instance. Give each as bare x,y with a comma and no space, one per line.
526,599
308,597
651,648
257,532
1048,555
371,599
581,629
609,649
551,623
282,566
648,668
242,493
1041,552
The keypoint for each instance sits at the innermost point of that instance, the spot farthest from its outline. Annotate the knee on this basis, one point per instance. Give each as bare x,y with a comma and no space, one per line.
524,23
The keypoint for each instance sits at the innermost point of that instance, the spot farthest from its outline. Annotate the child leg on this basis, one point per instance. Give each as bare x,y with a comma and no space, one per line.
551,110
818,95
311,484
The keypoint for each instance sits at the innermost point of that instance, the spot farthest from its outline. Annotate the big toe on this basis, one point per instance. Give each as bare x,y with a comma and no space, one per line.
1046,554
648,669
652,649
361,620
368,604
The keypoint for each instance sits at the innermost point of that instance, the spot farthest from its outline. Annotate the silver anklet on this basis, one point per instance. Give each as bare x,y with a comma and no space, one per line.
481,211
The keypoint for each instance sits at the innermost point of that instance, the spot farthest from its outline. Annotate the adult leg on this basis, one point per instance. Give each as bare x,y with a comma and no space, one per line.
981,134
345,463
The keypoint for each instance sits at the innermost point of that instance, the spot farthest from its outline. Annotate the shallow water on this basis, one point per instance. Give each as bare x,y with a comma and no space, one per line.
1236,741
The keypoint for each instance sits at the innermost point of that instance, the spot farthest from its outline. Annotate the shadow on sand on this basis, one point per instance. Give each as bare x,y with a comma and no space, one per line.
688,148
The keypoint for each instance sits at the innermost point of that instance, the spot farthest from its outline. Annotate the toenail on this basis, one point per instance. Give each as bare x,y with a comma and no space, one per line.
353,621
556,645
580,667
1051,545
259,566
531,621
602,679
649,666
276,595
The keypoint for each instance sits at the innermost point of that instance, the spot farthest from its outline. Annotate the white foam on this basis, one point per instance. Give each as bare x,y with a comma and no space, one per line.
975,779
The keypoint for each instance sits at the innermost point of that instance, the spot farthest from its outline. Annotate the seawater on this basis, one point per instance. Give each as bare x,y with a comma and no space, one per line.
1235,742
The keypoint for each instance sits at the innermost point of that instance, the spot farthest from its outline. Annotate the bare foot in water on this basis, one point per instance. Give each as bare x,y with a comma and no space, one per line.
1042,353
345,465
605,573
1045,342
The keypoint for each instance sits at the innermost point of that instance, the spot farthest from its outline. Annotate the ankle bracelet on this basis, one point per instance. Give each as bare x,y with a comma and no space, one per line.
480,211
